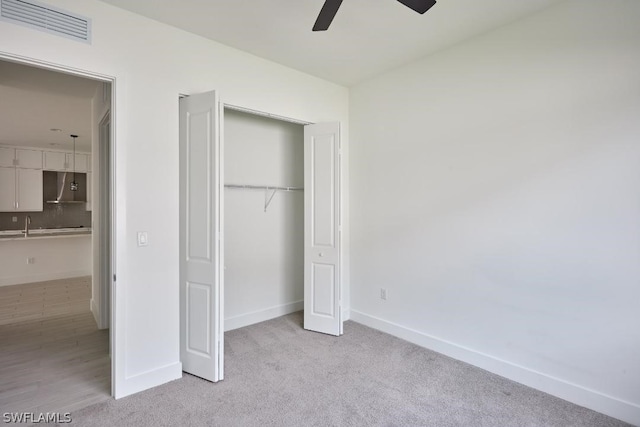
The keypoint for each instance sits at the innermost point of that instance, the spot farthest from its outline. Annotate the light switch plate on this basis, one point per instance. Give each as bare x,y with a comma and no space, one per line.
143,238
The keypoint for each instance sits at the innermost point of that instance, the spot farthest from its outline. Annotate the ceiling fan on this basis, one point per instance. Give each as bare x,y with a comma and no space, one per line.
330,8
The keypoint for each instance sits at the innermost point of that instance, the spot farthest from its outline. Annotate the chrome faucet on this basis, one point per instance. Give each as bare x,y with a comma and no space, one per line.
27,221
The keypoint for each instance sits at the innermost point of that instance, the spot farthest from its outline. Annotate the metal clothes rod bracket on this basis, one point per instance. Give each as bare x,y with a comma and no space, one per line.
267,188
268,202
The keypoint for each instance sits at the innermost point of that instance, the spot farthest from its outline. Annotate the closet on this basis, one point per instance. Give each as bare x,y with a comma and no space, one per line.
255,244
263,218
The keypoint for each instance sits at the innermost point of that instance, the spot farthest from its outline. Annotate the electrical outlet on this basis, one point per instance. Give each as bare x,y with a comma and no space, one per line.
383,294
14,219
31,260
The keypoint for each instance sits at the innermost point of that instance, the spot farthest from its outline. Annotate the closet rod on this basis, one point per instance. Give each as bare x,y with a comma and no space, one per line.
263,187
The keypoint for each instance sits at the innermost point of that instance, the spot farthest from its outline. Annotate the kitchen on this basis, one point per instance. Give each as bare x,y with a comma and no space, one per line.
45,232
54,336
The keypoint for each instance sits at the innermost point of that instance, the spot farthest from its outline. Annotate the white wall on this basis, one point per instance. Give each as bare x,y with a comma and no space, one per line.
494,194
152,63
55,258
264,251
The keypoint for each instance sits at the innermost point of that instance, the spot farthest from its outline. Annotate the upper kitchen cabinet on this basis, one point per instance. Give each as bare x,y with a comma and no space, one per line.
21,158
20,180
7,156
82,162
7,189
60,161
55,161
29,159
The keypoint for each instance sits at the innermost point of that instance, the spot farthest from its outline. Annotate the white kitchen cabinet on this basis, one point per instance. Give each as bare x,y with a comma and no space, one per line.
28,159
89,192
55,161
82,162
20,190
60,161
7,189
22,158
7,155
28,190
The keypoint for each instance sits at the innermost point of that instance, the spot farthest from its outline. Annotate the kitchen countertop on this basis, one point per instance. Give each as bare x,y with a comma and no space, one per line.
44,233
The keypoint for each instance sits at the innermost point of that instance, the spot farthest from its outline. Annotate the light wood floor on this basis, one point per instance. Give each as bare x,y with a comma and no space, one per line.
53,358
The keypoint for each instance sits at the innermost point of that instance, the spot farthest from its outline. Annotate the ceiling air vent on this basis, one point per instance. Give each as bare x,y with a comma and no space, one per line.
46,18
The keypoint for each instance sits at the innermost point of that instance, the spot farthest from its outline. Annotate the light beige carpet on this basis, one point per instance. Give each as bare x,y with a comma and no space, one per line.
278,374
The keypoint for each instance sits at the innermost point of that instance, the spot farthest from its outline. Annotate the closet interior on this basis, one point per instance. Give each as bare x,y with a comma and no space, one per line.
263,218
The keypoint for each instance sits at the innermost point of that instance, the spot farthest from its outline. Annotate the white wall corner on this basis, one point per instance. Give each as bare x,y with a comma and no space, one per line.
574,393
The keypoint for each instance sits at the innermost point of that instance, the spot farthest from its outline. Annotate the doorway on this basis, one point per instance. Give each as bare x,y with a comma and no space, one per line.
86,326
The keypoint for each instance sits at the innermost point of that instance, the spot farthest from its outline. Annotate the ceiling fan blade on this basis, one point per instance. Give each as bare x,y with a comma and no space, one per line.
326,15
420,6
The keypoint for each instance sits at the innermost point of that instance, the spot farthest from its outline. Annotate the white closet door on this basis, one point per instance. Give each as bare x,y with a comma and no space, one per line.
322,290
201,308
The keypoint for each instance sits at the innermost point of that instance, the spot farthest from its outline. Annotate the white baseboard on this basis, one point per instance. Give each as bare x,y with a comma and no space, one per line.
146,380
43,277
261,315
592,399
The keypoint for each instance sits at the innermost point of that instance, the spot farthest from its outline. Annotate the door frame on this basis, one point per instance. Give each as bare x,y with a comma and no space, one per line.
105,262
343,171
36,63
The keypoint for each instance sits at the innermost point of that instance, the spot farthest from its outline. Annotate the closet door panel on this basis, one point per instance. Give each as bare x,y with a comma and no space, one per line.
201,338
322,291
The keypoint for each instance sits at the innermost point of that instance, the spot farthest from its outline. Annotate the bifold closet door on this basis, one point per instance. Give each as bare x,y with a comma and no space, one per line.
201,303
322,292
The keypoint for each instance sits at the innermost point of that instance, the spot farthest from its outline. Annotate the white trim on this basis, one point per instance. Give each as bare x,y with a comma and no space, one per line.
262,315
43,277
219,147
146,380
105,259
94,310
583,396
117,342
32,62
220,249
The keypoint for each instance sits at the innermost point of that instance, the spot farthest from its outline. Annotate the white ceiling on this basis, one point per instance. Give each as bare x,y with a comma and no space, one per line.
33,101
366,38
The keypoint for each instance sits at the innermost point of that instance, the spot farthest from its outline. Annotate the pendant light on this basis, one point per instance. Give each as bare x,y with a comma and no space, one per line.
74,184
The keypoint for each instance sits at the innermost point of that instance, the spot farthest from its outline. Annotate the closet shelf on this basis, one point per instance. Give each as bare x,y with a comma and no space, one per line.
263,187
266,188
